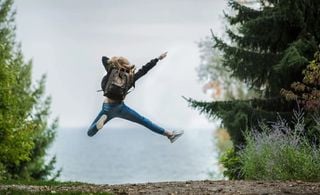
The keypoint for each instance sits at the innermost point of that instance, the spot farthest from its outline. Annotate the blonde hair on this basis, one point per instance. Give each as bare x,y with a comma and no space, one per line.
122,62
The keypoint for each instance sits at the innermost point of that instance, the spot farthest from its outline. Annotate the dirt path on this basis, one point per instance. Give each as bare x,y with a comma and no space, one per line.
188,187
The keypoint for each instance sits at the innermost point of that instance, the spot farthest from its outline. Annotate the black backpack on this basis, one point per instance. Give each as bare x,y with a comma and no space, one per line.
116,83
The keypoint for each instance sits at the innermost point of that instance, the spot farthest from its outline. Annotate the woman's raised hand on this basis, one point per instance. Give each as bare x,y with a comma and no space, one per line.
163,55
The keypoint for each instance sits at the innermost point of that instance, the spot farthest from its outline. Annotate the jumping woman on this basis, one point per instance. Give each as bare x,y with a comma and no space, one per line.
120,77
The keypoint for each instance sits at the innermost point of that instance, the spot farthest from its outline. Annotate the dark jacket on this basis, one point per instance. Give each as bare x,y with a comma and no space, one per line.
142,71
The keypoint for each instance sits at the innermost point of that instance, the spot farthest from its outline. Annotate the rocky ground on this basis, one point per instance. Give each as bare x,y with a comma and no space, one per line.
188,187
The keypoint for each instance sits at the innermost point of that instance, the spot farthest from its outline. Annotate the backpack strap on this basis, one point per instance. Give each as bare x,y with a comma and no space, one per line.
105,78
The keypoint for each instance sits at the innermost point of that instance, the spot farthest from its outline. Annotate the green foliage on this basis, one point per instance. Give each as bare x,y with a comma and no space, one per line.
267,47
232,164
24,131
280,152
238,115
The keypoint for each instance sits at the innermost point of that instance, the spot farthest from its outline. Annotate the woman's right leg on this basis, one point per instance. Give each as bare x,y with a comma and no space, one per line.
131,115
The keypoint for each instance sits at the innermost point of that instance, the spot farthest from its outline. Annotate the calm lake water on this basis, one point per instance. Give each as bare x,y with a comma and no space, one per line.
133,155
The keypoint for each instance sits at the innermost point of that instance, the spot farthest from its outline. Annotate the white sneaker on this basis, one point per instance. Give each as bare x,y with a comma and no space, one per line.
101,121
175,135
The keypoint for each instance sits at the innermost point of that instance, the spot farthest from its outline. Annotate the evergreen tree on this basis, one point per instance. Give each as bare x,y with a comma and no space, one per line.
268,46
24,131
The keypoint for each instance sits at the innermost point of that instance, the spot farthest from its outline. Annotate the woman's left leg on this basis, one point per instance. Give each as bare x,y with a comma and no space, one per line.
131,115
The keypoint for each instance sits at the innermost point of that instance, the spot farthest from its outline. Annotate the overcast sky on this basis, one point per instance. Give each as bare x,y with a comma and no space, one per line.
66,39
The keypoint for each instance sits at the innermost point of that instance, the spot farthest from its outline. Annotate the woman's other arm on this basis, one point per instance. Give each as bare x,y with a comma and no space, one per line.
144,69
105,62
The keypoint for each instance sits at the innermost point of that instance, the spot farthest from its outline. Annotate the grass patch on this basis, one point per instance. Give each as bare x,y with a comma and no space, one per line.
41,183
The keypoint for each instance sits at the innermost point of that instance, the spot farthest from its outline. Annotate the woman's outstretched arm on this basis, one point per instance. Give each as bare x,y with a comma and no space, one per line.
144,69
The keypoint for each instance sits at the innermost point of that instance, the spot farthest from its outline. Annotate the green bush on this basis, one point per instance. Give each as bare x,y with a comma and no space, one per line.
231,162
280,152
26,130
2,172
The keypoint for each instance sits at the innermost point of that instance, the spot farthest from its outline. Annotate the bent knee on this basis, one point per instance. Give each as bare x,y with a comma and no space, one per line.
101,121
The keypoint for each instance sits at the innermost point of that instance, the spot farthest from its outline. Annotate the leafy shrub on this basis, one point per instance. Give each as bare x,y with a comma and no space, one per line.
231,162
281,152
2,172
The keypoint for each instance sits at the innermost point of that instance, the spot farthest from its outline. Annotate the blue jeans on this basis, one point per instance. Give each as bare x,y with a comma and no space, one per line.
121,110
